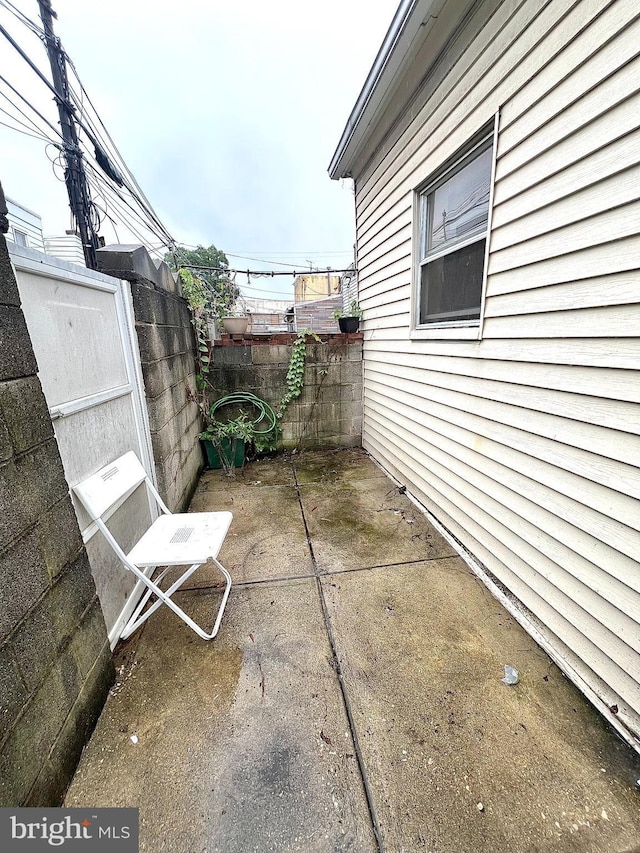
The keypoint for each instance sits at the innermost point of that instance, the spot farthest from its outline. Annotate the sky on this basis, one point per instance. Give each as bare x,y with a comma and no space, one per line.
226,113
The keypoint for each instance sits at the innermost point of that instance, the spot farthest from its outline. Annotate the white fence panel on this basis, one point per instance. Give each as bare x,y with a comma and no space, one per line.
81,325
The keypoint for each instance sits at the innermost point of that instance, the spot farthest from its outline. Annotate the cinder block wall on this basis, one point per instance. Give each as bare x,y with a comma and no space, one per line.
166,342
55,661
328,413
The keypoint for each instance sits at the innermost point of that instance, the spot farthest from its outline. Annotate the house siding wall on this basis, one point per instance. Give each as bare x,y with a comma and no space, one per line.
526,444
27,222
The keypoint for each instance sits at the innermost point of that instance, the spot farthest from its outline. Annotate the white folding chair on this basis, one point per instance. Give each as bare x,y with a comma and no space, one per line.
172,540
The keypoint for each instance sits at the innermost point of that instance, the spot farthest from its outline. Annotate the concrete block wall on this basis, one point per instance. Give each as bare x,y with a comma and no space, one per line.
55,660
328,413
166,342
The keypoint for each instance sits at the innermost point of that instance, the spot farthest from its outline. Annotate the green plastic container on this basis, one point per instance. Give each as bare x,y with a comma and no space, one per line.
213,458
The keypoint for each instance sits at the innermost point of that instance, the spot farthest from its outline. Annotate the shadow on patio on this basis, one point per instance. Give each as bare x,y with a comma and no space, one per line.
352,700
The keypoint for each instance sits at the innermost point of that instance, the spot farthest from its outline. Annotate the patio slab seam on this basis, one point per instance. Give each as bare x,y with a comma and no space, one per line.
324,574
347,706
375,824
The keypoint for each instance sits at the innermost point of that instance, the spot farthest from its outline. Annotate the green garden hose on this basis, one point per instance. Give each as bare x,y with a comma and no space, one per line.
265,411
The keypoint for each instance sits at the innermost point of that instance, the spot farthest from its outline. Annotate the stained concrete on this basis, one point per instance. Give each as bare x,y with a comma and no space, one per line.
423,649
267,538
352,702
360,523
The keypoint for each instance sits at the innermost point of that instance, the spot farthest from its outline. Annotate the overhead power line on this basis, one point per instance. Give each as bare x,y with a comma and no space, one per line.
279,263
22,18
266,273
247,258
92,149
27,59
299,254
30,105
23,132
135,189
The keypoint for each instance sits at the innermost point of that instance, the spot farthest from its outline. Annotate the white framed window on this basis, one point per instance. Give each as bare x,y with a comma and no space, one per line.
20,238
452,211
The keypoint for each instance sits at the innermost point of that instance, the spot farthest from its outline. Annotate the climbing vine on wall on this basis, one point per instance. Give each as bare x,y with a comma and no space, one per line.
295,373
195,292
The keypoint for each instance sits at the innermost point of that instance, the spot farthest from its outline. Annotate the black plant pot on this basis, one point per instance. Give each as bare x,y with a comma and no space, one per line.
349,325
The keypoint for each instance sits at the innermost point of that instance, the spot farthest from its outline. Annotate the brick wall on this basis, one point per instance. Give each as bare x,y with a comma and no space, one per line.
55,661
328,413
166,342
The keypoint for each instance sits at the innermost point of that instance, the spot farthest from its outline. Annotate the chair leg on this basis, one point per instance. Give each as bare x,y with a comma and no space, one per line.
132,622
137,620
223,603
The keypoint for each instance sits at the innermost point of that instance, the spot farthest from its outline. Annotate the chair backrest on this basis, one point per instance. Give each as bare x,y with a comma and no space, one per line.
110,485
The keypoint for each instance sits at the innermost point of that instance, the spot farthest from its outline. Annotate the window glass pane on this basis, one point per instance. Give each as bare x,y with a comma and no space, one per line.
451,285
20,238
460,207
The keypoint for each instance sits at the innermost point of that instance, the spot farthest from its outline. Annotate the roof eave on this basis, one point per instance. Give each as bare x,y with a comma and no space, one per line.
409,21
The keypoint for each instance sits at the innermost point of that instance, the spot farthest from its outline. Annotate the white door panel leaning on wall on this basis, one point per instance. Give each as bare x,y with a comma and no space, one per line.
81,325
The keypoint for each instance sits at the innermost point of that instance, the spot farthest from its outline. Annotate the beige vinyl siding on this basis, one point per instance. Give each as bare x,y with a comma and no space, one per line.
501,64
526,442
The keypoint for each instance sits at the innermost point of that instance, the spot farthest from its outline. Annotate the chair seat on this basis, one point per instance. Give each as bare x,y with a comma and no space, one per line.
181,538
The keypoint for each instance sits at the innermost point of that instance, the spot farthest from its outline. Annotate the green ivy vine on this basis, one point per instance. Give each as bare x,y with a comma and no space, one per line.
195,292
295,374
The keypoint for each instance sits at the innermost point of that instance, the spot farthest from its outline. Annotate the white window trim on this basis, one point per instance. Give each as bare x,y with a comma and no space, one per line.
468,330
23,234
485,275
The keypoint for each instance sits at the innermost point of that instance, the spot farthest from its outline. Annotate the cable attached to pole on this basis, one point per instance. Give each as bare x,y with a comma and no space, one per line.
75,175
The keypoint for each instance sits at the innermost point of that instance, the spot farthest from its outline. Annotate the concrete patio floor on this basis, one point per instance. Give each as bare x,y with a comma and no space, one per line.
352,700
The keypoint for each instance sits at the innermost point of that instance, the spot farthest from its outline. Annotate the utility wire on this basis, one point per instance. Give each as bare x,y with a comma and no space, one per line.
135,190
21,123
132,185
23,132
35,28
152,221
108,135
265,273
118,206
247,258
279,263
32,123
123,209
270,293
300,254
29,61
30,105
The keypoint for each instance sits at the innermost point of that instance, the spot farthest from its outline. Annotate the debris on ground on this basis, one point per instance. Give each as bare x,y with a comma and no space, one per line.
510,675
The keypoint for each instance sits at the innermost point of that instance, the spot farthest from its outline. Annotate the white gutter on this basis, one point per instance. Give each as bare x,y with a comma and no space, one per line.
406,24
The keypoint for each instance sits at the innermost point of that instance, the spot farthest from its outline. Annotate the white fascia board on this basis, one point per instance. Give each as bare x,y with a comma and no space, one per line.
411,24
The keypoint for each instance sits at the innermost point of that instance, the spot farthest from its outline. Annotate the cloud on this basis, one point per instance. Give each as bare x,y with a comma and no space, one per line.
227,114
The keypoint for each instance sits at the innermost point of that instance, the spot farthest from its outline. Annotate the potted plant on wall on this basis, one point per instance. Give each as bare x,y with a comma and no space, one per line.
349,323
235,324
235,320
